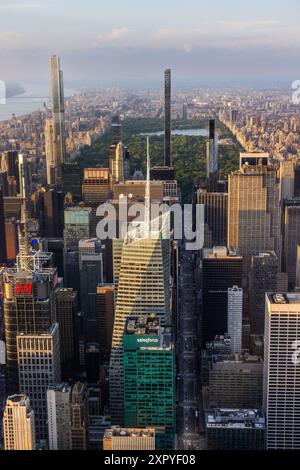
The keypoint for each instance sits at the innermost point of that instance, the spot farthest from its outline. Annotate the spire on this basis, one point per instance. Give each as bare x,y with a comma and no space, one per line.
24,245
147,193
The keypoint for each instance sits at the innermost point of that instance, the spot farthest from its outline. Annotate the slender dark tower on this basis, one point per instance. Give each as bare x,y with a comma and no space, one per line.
212,158
168,118
58,116
3,257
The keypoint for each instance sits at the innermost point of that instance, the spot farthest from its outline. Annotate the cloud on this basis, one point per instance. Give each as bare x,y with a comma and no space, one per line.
117,33
228,34
22,6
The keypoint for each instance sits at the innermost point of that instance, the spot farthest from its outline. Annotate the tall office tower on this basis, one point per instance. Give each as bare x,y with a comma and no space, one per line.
28,302
9,164
235,318
3,255
95,191
92,363
56,247
254,216
116,130
212,158
287,178
91,274
39,367
149,392
13,207
168,161
72,180
291,237
3,180
58,116
11,235
25,174
264,277
77,226
58,412
222,269
297,181
233,115
235,381
142,286
105,319
18,424
79,417
229,429
66,311
215,216
184,112
281,371
117,438
116,163
298,267
49,211
50,152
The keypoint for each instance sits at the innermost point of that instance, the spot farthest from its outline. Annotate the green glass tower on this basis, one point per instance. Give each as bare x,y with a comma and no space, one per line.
149,378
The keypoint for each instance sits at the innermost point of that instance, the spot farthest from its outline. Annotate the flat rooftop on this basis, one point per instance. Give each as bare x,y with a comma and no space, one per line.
221,252
283,298
228,418
127,432
143,325
149,325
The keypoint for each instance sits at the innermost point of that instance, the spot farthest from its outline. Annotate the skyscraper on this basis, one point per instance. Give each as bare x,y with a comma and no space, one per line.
281,371
168,161
235,381
298,267
50,152
215,216
229,429
72,180
66,310
58,115
291,237
235,318
116,163
149,377
58,412
105,319
18,424
91,274
77,226
264,277
79,417
254,219
28,303
222,269
3,256
95,191
39,367
142,286
212,158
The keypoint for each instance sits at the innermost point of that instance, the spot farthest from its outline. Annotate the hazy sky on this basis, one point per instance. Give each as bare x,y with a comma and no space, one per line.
125,39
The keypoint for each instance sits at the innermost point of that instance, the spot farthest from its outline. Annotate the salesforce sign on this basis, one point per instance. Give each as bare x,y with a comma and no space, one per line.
136,341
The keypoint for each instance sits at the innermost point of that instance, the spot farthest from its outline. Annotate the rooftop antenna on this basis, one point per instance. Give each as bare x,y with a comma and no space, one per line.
24,245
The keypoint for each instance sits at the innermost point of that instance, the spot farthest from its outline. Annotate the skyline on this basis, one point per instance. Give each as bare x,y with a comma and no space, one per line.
198,40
